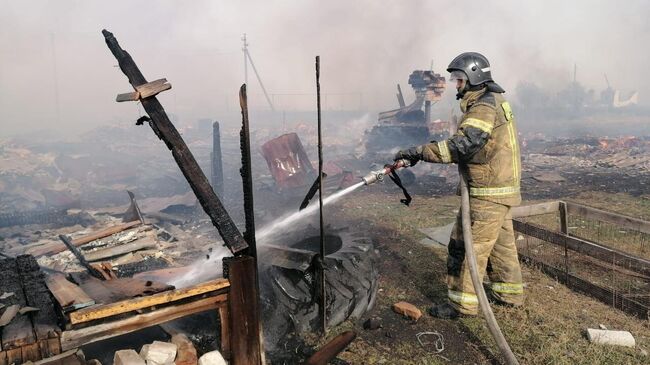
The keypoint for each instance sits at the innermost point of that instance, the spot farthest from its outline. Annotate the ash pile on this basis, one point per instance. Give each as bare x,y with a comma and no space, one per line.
560,167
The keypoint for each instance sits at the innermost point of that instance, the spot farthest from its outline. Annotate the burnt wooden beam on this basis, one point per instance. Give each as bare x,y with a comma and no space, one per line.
80,257
19,332
165,130
246,173
329,351
37,295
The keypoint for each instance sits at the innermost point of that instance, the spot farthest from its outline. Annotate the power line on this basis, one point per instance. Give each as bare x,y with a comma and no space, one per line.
248,58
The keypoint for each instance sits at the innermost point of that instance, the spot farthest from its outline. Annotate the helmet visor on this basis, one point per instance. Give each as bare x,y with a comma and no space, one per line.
457,75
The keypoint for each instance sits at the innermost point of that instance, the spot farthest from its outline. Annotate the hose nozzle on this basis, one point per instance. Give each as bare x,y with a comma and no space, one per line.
374,176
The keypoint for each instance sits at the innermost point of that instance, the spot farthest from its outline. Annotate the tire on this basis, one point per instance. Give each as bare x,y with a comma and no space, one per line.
351,283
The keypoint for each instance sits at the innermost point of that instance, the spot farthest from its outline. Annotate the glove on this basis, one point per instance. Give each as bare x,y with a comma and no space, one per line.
411,154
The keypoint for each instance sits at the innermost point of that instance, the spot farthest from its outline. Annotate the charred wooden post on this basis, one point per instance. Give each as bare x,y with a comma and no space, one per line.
217,163
165,130
247,175
246,342
321,258
331,349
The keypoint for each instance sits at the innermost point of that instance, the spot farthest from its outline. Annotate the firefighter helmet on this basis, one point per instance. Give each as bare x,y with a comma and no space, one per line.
475,67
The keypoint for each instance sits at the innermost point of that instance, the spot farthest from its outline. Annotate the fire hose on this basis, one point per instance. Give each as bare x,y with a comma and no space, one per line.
470,256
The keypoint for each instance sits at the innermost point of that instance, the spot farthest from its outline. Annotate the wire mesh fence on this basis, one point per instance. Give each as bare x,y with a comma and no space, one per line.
601,254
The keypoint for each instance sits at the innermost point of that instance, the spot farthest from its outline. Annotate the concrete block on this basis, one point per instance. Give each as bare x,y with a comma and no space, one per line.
127,357
159,353
212,358
607,337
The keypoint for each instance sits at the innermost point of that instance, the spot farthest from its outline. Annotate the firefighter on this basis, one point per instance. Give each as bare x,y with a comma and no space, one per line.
486,146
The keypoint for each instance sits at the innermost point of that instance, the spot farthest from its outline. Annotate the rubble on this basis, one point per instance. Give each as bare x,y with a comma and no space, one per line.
128,357
9,314
27,309
186,354
372,323
212,358
159,353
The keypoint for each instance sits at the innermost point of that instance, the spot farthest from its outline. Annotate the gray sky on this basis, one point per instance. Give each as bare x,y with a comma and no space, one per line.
50,48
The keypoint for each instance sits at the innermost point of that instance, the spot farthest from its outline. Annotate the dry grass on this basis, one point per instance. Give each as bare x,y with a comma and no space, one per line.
549,329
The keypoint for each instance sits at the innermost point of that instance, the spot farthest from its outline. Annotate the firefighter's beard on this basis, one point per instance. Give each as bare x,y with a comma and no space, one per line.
462,88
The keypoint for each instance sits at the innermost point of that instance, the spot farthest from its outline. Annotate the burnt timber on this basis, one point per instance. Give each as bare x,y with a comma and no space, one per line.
34,335
165,130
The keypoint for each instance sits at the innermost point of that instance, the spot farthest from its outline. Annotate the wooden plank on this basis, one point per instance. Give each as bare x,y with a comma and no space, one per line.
68,295
152,88
125,306
332,348
224,321
132,96
622,221
603,253
72,360
51,249
535,209
109,231
75,338
245,327
55,359
165,130
14,356
110,291
101,254
54,346
31,352
19,331
37,295
9,314
164,275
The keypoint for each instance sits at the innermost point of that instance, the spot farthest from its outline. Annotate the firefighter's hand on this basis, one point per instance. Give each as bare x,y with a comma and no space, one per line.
411,154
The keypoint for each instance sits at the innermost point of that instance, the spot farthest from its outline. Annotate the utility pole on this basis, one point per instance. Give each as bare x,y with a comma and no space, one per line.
247,59
245,49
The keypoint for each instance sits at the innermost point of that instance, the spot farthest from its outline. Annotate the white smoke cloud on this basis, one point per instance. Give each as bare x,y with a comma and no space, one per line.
53,50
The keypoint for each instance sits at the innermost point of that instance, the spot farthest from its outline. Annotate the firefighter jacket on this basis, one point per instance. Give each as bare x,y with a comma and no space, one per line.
486,141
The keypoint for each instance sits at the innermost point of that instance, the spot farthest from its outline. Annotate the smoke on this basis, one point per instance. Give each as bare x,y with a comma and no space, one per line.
56,72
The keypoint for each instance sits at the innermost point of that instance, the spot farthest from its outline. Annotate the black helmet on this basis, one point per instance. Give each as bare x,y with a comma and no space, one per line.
475,67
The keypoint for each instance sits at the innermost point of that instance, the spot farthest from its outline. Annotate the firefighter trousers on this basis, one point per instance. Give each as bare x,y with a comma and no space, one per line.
494,246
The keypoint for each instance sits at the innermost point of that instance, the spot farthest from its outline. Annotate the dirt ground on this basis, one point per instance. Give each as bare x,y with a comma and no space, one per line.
549,329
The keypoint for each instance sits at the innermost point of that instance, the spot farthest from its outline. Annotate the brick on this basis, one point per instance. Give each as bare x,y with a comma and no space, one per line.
186,351
407,309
